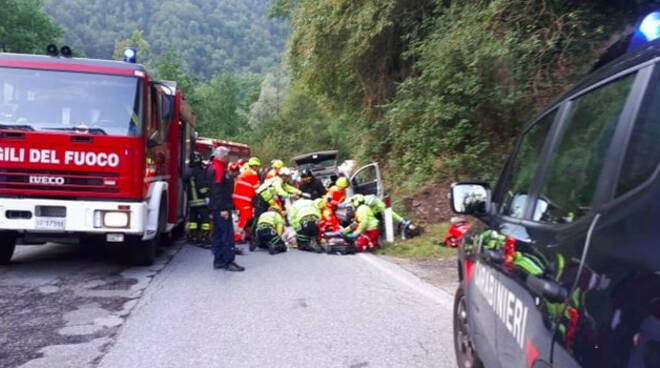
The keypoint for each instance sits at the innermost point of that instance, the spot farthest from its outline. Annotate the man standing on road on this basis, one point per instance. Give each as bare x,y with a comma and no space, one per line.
221,206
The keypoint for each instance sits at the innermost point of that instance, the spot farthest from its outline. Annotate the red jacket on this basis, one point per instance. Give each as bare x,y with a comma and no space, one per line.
245,185
335,196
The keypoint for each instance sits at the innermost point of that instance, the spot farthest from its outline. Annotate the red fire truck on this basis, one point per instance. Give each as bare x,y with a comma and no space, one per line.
237,151
90,149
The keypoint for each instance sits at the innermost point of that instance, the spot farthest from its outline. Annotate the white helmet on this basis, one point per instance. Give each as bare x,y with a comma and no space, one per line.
220,152
370,199
285,171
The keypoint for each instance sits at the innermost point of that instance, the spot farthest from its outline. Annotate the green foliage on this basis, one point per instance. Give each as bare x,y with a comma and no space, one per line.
136,40
350,53
284,9
214,36
25,28
169,67
428,245
302,126
482,70
217,113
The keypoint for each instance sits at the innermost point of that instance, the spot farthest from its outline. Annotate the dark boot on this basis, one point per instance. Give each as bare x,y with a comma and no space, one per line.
233,267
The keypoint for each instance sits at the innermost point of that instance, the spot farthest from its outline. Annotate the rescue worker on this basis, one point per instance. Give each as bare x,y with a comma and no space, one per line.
311,185
276,166
378,207
336,194
270,227
365,231
199,221
221,187
244,188
305,217
271,193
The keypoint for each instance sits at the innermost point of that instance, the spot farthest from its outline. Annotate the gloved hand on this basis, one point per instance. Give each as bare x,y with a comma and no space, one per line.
207,200
351,236
306,195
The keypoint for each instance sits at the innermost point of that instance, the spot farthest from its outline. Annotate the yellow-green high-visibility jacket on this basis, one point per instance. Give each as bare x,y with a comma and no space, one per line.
366,219
378,207
301,209
273,219
275,186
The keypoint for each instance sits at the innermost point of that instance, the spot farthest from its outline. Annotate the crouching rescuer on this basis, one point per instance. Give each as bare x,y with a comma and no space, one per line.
270,226
271,193
406,228
365,230
198,228
305,217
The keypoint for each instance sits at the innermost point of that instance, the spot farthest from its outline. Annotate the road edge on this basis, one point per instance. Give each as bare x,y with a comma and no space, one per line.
410,280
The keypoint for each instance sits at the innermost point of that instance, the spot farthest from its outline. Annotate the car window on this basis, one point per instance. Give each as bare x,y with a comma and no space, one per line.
575,165
643,152
523,168
367,175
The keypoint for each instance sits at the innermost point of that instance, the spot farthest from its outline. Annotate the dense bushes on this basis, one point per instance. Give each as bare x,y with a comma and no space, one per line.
439,89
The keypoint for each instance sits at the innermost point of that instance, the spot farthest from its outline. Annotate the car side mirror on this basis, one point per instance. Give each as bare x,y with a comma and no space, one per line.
470,198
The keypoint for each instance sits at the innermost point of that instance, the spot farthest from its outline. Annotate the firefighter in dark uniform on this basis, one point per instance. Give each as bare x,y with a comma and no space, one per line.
311,185
198,229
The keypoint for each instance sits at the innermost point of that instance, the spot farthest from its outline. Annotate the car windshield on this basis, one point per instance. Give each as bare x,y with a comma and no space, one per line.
317,164
49,100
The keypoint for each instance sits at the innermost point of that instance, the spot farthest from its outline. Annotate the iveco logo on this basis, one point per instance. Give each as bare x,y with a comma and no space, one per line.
50,180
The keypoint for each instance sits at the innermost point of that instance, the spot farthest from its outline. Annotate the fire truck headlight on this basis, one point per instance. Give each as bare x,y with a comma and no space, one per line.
113,219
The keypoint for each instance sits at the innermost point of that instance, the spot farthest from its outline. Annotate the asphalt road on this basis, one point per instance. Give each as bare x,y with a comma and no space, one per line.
61,306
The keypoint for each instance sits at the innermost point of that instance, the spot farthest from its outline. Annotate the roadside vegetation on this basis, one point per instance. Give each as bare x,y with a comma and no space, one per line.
428,245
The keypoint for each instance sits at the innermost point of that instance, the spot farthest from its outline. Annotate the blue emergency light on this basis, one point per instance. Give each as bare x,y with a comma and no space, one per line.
648,30
130,55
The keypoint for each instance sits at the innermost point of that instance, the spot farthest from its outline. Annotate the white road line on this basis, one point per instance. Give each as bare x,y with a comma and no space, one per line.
410,280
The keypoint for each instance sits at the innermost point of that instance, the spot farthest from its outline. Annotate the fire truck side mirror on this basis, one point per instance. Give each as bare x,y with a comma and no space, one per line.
152,141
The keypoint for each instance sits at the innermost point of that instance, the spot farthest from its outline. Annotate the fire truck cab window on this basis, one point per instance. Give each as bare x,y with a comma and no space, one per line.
65,101
157,127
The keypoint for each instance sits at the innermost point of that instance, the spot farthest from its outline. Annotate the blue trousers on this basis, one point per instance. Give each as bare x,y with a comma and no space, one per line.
223,239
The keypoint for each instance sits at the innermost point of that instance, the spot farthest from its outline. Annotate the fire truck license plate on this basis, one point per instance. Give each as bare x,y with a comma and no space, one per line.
49,223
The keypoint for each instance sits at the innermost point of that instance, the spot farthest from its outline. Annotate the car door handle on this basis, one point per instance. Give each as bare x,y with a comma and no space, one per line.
545,288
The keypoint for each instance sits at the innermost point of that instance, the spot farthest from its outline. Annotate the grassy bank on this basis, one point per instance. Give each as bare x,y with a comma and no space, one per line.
428,245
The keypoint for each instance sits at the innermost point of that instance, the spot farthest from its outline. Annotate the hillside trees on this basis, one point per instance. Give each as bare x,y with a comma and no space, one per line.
214,36
25,28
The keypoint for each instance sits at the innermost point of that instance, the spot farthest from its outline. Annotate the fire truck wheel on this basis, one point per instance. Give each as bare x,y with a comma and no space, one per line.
178,231
7,246
165,238
142,252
